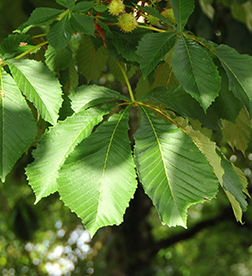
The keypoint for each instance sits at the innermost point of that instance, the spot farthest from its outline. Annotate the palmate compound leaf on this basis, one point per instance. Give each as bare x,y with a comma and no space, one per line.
98,179
196,71
174,172
17,126
39,86
56,145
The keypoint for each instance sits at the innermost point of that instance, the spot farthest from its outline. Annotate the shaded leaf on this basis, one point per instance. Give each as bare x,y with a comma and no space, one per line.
58,59
56,145
83,6
42,17
126,44
34,79
183,104
195,71
90,60
17,125
86,96
238,68
10,47
238,135
66,3
152,49
98,179
182,10
82,23
60,34
174,172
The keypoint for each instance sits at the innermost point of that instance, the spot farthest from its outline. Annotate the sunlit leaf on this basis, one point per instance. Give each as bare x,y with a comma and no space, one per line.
17,124
56,145
174,172
98,179
39,85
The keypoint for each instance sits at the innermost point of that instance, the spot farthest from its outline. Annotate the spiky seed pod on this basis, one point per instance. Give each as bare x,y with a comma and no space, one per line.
127,22
116,7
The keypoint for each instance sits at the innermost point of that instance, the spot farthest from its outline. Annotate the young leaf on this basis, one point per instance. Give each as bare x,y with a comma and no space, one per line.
196,71
60,34
56,145
174,172
90,60
17,125
238,135
152,48
98,179
83,6
182,10
82,23
39,85
86,96
66,3
238,68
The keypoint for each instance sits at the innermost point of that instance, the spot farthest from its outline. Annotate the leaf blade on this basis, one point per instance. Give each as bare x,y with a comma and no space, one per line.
31,77
196,71
55,146
17,125
152,48
170,168
98,179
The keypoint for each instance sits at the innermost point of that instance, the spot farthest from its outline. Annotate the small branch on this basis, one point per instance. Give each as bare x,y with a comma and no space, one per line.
32,49
127,82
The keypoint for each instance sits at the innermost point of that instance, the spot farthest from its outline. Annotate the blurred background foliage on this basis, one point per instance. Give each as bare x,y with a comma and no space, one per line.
47,239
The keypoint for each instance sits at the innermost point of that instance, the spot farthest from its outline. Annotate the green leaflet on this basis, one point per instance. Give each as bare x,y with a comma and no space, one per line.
10,47
66,3
152,49
98,179
182,10
41,17
83,6
90,60
86,96
56,145
232,183
60,34
182,103
58,59
238,69
39,85
17,125
174,172
238,135
196,71
82,23
126,43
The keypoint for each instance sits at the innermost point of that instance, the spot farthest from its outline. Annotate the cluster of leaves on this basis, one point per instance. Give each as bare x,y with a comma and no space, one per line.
187,88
